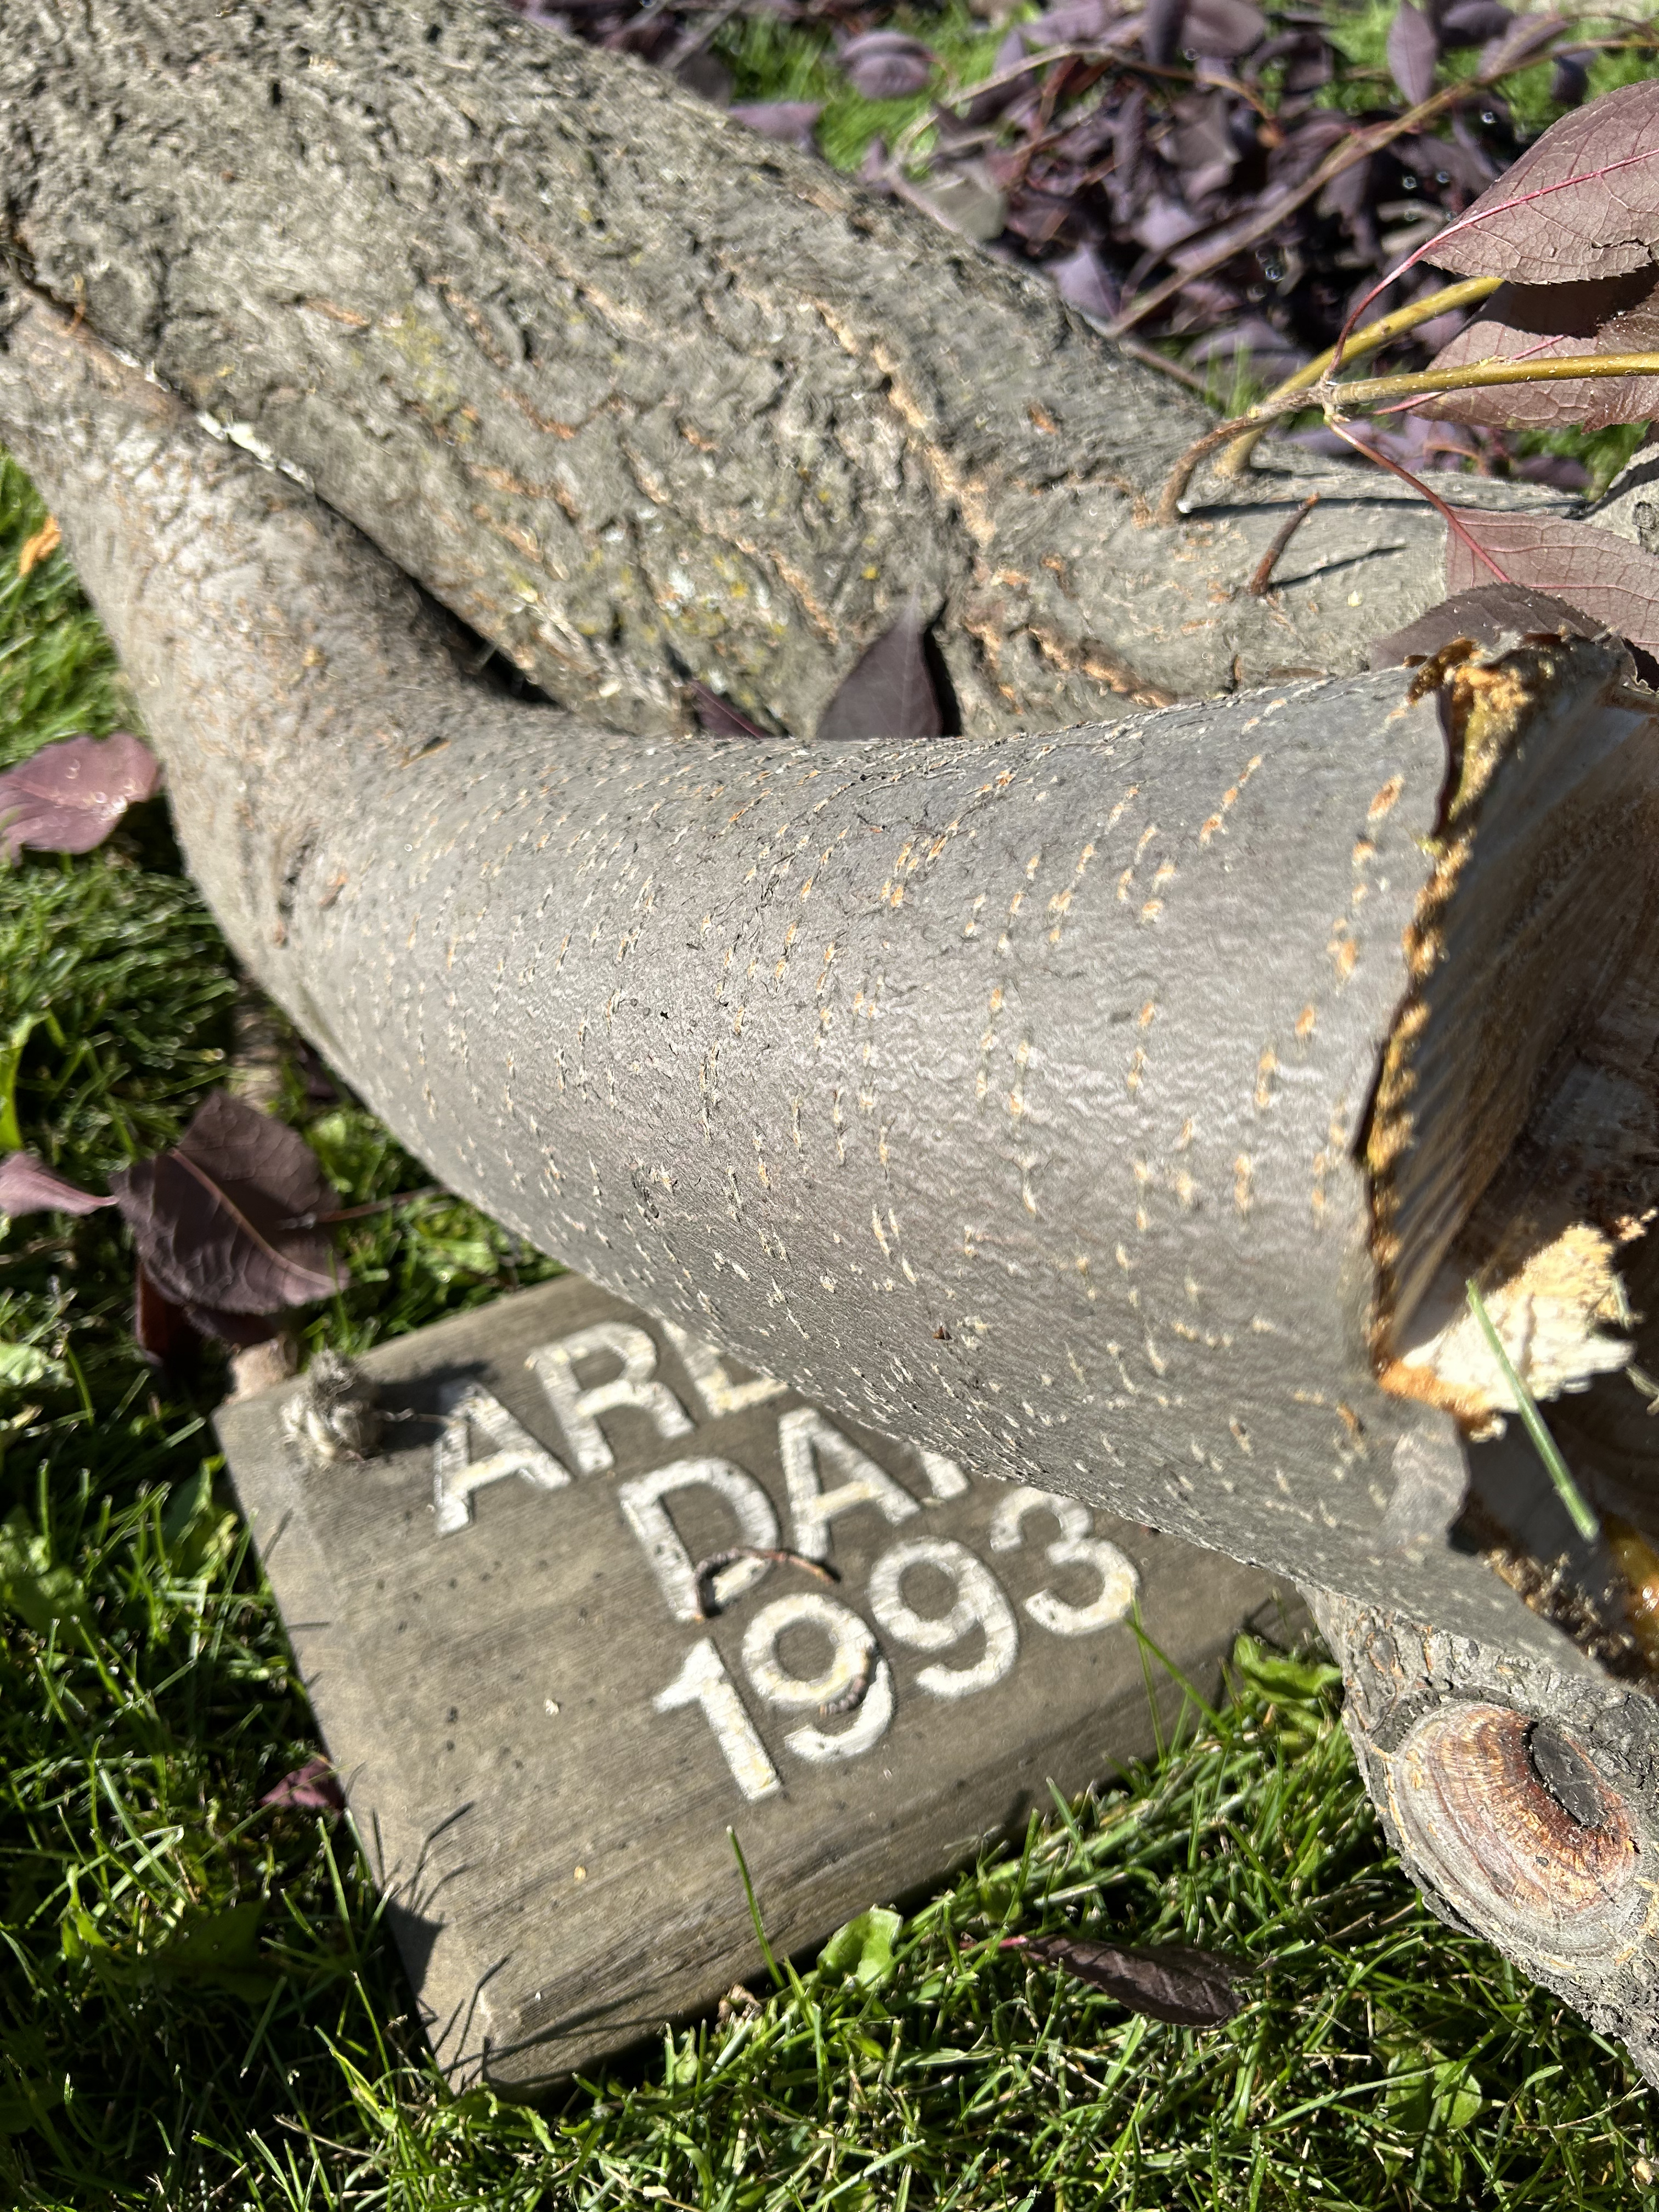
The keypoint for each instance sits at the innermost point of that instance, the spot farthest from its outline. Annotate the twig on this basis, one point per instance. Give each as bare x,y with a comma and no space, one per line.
1579,1511
1464,221
956,94
1399,469
1365,391
1257,587
1336,399
1149,357
1374,334
703,1574
357,1212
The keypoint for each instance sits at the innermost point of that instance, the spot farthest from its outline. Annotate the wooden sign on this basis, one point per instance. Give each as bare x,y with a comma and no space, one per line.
600,1595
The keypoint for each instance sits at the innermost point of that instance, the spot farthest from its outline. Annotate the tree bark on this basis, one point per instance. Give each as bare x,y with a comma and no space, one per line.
1100,1107
963,1082
635,391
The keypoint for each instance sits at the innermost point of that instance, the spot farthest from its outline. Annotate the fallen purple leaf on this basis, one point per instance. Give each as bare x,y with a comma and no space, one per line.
1305,58
1559,469
69,796
890,693
1271,355
1483,615
1223,29
1570,80
1068,23
1160,30
1084,281
887,65
29,1186
792,122
1524,40
1580,201
1471,22
213,1218
717,716
162,1331
312,1788
1166,1981
1414,51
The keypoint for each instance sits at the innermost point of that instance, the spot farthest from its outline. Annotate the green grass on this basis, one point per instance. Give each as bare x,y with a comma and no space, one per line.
198,2007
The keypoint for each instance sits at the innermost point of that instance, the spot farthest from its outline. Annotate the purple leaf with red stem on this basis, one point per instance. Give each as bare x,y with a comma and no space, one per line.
1614,582
1582,202
1546,322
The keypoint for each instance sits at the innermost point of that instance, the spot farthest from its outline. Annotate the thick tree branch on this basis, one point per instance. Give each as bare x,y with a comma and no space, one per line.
1011,1094
635,391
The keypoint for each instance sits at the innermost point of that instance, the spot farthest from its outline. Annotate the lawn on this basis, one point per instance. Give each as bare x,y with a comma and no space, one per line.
198,2004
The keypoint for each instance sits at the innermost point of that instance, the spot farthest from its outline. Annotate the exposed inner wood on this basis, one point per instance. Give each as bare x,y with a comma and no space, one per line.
1515,1135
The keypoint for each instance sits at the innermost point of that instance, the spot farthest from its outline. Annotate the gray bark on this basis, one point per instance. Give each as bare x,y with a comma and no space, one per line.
970,1086
959,1082
624,384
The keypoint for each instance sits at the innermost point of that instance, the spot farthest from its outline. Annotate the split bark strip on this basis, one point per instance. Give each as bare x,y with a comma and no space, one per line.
1005,1094
641,395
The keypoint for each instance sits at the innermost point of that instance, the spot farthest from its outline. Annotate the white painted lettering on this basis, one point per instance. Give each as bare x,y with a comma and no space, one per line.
457,1477
851,1660
554,1366
1074,1546
979,1601
703,1681
807,1442
712,1381
944,1478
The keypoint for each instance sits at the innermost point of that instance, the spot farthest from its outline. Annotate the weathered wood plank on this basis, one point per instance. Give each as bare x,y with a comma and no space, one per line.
544,1744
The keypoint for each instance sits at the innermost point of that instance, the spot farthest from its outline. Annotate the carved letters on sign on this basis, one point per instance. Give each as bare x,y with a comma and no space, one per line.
825,1475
